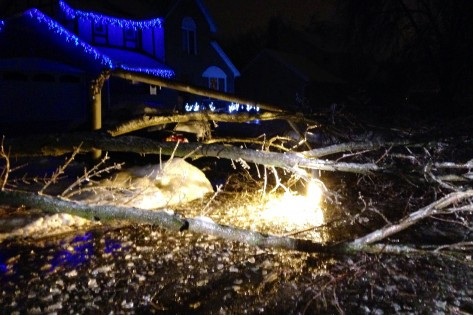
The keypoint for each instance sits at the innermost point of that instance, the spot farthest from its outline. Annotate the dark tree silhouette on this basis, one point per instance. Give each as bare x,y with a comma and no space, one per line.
414,45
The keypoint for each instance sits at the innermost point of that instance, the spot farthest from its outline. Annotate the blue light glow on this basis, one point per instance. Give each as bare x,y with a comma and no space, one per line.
103,19
2,24
90,50
69,37
231,108
83,249
112,245
3,268
156,72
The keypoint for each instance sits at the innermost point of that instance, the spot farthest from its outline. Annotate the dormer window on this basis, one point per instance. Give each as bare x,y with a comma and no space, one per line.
189,39
131,38
217,79
99,34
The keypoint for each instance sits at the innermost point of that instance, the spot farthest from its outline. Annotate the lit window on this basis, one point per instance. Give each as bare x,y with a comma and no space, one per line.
189,42
99,34
132,38
153,90
217,79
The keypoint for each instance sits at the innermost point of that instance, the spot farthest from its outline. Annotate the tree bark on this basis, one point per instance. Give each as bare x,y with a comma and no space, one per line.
146,121
92,212
196,225
412,218
60,144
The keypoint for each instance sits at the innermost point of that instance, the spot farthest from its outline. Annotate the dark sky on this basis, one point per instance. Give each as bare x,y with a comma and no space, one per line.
234,17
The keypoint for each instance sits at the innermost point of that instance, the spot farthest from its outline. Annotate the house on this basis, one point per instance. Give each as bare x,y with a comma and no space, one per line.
197,57
289,80
48,63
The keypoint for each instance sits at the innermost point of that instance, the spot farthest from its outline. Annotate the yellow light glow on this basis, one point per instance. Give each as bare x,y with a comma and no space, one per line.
315,192
295,211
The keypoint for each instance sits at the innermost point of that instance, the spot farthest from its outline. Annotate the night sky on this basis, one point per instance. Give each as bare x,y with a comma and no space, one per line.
236,17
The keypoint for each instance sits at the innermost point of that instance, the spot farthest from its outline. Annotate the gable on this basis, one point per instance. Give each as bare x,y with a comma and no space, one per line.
202,9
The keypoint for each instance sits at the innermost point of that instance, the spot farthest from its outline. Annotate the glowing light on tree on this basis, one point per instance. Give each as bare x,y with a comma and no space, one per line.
294,210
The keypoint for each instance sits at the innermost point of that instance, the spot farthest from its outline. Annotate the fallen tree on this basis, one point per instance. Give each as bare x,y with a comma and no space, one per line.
150,121
55,145
165,219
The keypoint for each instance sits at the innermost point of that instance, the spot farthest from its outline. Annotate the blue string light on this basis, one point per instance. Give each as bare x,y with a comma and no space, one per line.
69,37
164,73
103,19
90,50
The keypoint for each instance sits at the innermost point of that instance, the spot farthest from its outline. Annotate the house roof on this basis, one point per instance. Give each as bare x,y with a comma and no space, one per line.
203,9
112,10
72,13
134,61
42,37
225,58
122,8
299,65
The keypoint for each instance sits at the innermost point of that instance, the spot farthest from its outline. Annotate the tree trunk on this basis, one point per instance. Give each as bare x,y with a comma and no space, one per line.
196,225
61,144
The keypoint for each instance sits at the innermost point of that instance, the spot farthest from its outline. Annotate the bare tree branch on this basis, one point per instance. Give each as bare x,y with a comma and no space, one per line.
432,209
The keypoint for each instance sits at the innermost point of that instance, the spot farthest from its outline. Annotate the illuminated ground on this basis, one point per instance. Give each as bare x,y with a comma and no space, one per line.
143,269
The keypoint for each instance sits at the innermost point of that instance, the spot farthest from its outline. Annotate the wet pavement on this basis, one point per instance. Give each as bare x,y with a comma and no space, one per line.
143,269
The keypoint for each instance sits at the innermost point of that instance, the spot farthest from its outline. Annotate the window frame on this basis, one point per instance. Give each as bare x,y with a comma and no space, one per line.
189,36
103,34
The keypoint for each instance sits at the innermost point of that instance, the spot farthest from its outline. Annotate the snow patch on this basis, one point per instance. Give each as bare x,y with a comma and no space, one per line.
49,225
151,186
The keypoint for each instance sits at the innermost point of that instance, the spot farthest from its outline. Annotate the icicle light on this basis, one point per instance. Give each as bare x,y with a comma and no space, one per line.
69,37
165,73
103,19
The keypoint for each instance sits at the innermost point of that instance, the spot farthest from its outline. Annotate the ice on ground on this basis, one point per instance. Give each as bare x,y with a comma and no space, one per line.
151,186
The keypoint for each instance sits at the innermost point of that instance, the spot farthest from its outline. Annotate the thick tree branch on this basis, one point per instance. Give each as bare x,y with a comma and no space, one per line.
413,218
350,146
147,121
88,211
165,220
61,144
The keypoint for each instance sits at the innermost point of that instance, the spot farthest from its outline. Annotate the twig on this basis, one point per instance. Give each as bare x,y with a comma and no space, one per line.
60,170
92,173
239,140
459,245
6,170
428,171
219,189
